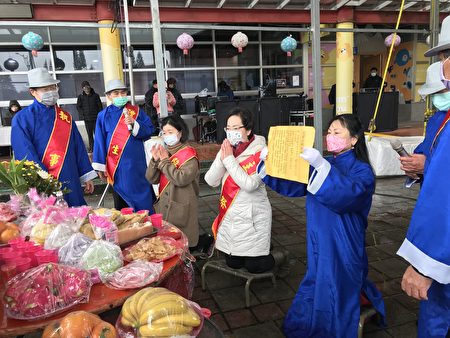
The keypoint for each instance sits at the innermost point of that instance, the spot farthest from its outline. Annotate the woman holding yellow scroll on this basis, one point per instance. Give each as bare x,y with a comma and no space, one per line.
338,200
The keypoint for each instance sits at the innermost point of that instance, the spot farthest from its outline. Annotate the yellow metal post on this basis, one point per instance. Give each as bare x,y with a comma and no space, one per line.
344,69
111,52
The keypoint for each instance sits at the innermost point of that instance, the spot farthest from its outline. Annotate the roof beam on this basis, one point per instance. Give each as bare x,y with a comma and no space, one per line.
382,5
340,4
253,4
282,4
188,3
356,2
409,4
221,3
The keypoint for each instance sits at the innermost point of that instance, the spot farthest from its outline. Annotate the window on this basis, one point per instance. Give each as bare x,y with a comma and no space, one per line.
240,79
273,55
70,85
74,35
228,56
199,56
18,59
14,87
194,81
73,58
285,77
222,35
143,58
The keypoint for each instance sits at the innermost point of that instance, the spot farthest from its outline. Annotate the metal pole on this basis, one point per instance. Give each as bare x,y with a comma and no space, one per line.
159,61
129,50
52,56
434,26
317,73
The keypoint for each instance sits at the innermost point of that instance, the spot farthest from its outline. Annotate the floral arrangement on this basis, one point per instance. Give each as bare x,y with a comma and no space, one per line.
22,175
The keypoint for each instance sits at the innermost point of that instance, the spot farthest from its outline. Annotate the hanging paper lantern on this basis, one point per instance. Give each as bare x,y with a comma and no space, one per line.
33,42
239,41
185,42
288,44
389,38
11,64
428,40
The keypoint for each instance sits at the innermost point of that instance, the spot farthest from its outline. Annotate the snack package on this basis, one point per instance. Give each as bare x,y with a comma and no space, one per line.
154,249
73,218
45,290
158,312
104,228
135,275
80,324
104,256
71,252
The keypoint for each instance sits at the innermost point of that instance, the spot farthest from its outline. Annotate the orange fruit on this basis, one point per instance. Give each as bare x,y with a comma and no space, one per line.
9,234
2,226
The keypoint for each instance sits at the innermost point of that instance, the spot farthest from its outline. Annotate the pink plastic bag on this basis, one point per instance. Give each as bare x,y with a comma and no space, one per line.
135,275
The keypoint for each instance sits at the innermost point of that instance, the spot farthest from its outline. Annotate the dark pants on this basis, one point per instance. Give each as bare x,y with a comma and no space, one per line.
90,128
119,202
252,264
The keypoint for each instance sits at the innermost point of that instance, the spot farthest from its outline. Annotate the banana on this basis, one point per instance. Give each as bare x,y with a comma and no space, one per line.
156,299
126,313
150,295
126,322
163,330
171,307
188,318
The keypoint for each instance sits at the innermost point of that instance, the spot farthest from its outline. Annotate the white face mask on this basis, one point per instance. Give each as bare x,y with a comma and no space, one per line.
373,74
234,136
170,139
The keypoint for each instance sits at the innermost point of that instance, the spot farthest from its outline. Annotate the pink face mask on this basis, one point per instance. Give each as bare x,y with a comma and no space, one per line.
336,144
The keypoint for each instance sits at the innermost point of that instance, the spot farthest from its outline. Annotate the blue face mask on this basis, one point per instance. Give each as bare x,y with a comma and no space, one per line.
441,101
120,101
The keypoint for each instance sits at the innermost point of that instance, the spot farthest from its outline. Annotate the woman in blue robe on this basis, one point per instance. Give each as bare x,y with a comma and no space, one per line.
129,177
338,200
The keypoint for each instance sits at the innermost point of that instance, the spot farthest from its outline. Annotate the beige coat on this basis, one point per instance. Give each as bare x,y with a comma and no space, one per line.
179,201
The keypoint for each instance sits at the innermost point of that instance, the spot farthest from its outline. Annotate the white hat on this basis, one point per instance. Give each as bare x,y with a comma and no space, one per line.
444,39
113,85
40,77
433,84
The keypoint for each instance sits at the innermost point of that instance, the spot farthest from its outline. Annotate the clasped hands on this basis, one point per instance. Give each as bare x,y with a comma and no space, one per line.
226,149
159,152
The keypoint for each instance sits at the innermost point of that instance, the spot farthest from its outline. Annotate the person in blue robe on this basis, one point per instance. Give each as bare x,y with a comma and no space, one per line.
31,131
129,179
427,243
338,200
414,165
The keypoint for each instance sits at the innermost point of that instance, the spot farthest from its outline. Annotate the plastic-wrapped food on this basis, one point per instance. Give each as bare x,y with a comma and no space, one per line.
158,312
45,290
7,213
134,275
80,324
104,256
71,252
154,249
104,228
73,218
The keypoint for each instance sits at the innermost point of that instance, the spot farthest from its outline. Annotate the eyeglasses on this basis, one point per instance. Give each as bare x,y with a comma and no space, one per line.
232,128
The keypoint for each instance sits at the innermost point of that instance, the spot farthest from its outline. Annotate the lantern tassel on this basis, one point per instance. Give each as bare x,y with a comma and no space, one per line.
34,52
240,49
185,51
289,54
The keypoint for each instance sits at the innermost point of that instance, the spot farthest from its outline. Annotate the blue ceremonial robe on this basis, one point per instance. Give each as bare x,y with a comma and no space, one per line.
433,124
427,243
129,179
30,133
327,303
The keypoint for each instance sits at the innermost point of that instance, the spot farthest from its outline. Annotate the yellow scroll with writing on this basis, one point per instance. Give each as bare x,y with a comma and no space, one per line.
285,146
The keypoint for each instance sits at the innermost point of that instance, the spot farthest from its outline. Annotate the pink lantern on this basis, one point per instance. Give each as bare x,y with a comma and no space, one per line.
185,42
239,41
389,38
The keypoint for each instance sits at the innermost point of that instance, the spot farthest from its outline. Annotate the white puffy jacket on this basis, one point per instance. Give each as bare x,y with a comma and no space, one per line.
245,229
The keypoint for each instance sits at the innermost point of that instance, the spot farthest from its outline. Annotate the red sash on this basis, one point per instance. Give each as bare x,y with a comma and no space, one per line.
118,142
56,150
230,190
441,127
178,159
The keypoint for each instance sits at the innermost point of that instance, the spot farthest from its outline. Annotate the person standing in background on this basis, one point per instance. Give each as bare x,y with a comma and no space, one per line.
88,106
374,80
172,87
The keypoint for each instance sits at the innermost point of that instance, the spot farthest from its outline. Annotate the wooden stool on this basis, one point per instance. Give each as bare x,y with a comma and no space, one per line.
243,273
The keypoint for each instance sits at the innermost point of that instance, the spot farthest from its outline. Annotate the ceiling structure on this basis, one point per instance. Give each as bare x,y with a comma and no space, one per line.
363,5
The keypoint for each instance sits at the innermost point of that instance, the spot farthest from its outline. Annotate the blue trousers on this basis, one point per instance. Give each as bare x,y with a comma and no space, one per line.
434,313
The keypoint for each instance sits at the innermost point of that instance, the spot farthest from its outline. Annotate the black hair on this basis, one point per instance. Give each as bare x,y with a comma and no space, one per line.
353,125
154,82
446,53
223,86
178,123
374,68
171,80
246,118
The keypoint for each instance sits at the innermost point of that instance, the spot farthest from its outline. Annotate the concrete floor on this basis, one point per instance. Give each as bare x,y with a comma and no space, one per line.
388,221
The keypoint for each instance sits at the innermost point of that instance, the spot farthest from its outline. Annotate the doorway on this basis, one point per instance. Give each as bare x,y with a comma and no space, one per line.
366,63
